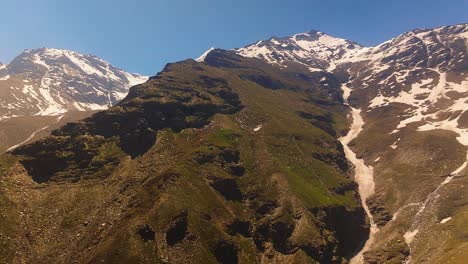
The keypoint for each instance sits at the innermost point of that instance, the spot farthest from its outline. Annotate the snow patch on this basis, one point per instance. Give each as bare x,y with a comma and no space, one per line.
203,56
445,220
364,175
257,128
395,144
40,61
409,236
134,79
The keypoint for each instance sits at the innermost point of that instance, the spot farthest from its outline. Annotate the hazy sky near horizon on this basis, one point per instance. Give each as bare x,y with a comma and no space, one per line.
143,35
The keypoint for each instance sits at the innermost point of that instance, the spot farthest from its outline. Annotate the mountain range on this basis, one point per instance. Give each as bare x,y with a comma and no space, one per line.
300,149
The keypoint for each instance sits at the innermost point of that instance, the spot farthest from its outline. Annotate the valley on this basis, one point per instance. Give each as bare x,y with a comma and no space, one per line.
363,175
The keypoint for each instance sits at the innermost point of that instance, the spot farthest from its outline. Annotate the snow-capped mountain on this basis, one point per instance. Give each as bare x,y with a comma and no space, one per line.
52,81
410,97
314,49
426,71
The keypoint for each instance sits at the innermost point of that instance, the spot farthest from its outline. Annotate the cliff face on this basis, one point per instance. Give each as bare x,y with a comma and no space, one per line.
227,161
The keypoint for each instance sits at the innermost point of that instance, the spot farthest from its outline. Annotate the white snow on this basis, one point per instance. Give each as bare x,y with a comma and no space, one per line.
74,84
445,220
82,63
395,144
38,60
395,215
316,51
257,128
203,56
134,79
409,236
364,175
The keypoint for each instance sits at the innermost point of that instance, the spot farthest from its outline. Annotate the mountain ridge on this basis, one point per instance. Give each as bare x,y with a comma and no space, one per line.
237,159
410,88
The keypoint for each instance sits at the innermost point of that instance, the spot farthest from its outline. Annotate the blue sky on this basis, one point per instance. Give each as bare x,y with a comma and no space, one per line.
143,35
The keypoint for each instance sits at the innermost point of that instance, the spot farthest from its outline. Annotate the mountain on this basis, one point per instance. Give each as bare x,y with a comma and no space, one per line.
45,88
314,50
411,94
52,81
227,161
303,149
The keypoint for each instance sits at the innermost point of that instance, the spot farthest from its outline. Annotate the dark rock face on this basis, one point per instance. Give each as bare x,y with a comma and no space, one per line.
240,227
146,233
350,228
177,230
228,189
226,252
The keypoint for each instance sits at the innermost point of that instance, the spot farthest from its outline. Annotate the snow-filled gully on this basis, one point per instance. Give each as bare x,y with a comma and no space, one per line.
364,175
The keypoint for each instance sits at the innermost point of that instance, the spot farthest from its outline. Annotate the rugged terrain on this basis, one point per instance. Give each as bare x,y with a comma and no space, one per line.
412,93
242,157
230,160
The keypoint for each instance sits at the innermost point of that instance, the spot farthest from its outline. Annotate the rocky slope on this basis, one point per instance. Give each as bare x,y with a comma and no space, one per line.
52,81
412,92
230,160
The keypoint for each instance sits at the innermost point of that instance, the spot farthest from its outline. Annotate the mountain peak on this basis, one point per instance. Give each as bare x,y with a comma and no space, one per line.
314,49
203,56
59,80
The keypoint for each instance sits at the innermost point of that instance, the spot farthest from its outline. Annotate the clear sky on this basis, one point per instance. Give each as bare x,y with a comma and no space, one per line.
143,35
